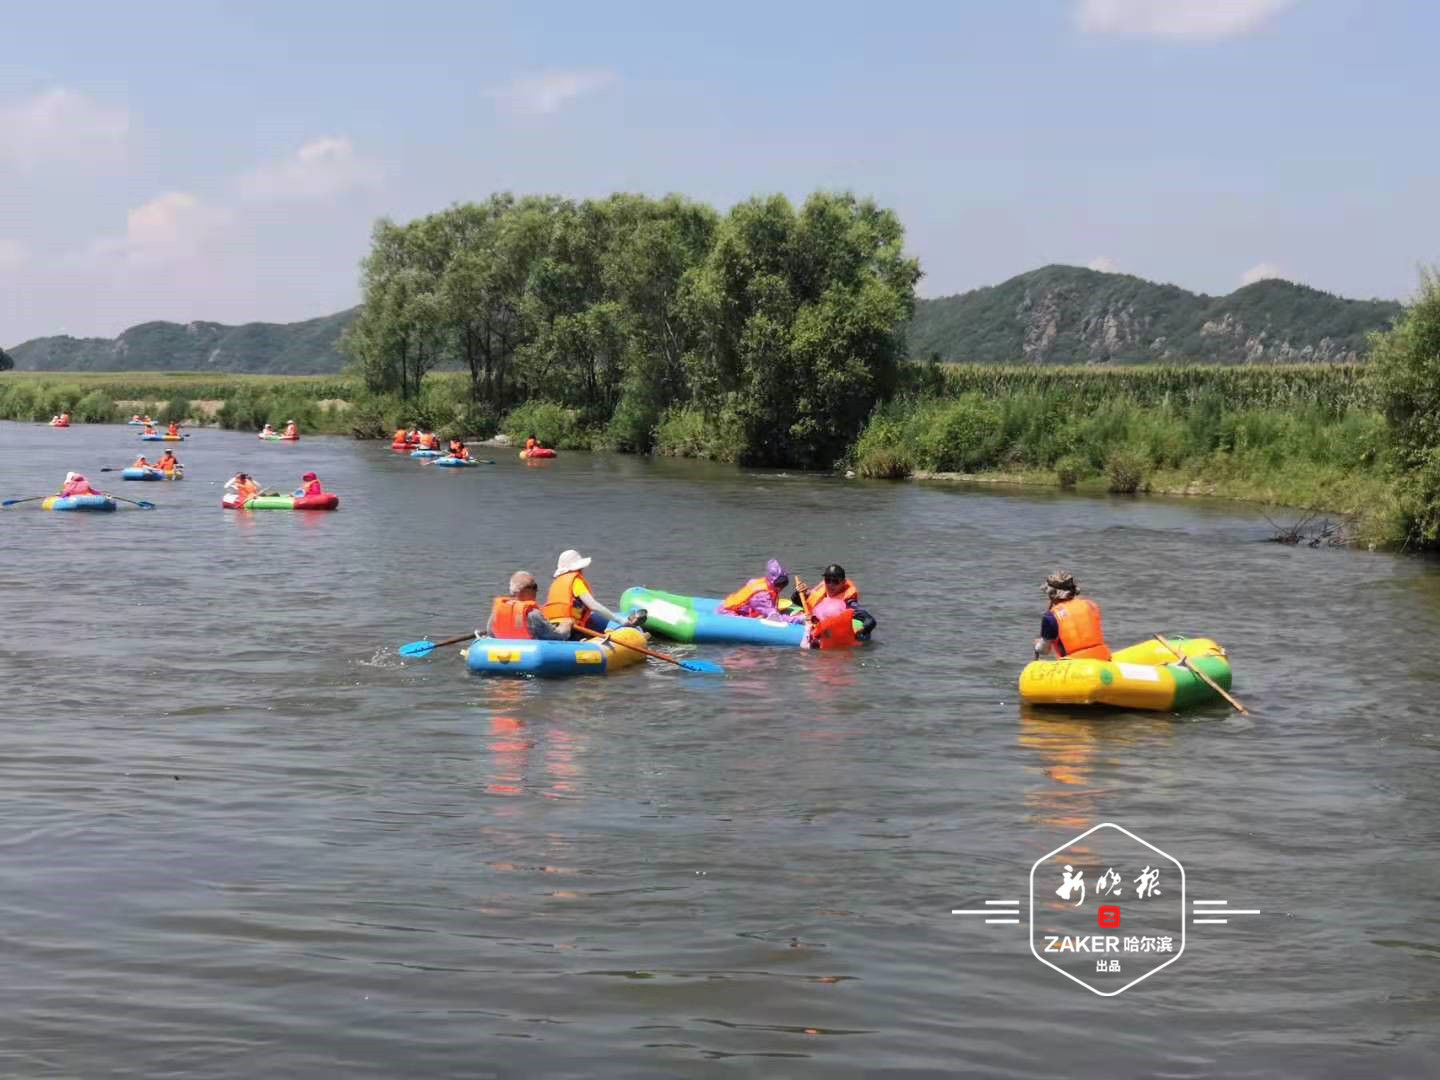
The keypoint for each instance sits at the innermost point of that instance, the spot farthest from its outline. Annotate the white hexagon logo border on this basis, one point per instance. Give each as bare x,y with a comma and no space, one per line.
1070,843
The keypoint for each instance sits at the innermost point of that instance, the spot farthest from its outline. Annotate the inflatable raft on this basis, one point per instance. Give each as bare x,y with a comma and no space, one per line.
695,619
1144,676
93,503
448,462
555,659
538,452
422,454
59,423
328,501
162,438
278,438
151,474
139,423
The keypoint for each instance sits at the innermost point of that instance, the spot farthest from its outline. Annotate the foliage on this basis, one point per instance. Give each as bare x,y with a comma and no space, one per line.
1070,470
1125,470
176,409
688,431
6,361
1071,315
552,424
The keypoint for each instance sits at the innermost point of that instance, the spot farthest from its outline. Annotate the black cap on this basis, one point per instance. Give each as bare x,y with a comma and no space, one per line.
833,572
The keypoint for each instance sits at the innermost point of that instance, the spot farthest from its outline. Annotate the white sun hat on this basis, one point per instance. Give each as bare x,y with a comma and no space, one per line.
76,476
568,561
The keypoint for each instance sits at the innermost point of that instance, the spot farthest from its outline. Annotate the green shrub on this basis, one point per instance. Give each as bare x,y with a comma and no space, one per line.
176,410
1126,470
554,425
1070,470
963,434
94,408
883,451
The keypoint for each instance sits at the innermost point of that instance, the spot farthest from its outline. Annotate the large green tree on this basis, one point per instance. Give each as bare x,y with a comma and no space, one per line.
798,317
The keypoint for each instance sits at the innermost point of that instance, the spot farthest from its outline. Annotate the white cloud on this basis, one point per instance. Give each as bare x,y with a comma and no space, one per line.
13,254
1261,272
61,125
1104,264
322,168
550,91
1210,19
169,228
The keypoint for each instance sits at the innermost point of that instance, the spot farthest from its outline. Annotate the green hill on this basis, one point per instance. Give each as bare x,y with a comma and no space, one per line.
1071,315
301,348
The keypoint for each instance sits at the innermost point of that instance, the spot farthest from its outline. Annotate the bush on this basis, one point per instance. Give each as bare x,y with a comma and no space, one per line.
554,425
690,432
1070,470
94,408
882,451
176,410
963,434
1126,470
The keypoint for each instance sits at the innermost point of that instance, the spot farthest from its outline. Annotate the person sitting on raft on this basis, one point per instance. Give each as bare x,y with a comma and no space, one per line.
570,598
835,590
167,463
141,463
519,616
759,598
312,486
173,430
457,450
244,486
291,431
136,419
1071,627
267,432
531,444
149,428
75,484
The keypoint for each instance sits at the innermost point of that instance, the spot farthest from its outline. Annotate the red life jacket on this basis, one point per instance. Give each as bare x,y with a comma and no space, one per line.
834,627
737,599
508,617
1081,635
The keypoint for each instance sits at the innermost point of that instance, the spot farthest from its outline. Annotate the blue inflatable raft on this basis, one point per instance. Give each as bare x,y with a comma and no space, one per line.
695,619
92,503
425,454
448,462
555,659
162,438
150,474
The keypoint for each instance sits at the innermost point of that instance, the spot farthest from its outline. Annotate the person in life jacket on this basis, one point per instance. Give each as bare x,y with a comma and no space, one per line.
759,598
291,431
75,484
173,429
244,486
570,597
267,431
531,443
519,616
141,463
312,486
836,588
167,462
457,450
1071,627
136,419
399,439
149,429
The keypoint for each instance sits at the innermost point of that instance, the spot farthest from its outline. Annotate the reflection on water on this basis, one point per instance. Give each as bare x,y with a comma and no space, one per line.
243,838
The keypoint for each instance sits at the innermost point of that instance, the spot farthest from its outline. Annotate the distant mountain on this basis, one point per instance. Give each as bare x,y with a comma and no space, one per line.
299,348
1071,315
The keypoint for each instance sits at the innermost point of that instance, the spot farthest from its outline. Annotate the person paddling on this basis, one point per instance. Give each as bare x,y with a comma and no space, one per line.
267,432
458,450
168,463
1071,627
141,463
74,485
244,486
149,429
570,597
519,616
291,431
173,431
312,486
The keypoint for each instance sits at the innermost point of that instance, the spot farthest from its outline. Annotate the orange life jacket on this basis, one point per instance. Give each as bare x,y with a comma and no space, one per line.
508,617
455,448
141,463
247,490
399,435
173,429
561,601
150,429
531,444
849,594
834,626
1081,635
737,599
167,464
290,429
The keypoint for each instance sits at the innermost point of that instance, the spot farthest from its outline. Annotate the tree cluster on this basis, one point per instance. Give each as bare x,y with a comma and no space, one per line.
781,324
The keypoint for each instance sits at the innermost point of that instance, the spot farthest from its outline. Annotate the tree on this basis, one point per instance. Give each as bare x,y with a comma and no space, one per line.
1407,372
798,319
6,361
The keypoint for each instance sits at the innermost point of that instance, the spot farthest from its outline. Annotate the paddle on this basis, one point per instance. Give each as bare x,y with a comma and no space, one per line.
17,502
143,504
701,667
155,468
425,648
1185,663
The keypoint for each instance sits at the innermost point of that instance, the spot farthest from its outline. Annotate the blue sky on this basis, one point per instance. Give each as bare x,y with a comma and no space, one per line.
206,160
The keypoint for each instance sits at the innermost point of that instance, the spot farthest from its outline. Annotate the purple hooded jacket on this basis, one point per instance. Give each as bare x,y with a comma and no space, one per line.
760,606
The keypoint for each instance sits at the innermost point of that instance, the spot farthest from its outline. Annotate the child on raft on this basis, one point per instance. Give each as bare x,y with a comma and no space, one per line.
759,598
74,485
312,486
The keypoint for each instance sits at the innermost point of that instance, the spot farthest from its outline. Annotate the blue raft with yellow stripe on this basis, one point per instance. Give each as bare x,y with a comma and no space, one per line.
556,659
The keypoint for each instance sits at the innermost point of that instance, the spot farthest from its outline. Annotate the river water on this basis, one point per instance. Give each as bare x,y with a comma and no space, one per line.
242,838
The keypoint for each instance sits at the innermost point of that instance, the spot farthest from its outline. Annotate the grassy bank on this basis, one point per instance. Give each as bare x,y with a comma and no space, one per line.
1295,436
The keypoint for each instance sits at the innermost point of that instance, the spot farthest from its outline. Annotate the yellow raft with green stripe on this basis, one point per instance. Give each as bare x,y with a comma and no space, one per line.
1144,676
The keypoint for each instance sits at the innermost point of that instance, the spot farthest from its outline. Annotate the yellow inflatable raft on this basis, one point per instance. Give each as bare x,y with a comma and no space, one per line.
1144,676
